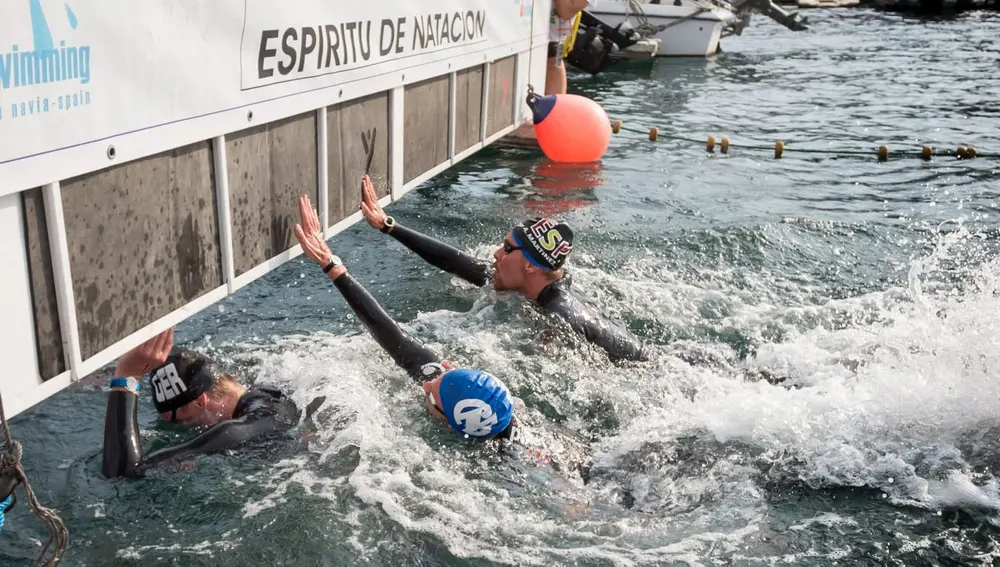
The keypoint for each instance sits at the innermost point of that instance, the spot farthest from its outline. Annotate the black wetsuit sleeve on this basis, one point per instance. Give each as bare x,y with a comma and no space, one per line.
443,256
220,437
617,341
122,451
408,353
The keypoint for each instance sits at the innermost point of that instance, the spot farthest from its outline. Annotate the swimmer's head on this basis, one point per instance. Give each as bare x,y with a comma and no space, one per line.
190,388
535,250
472,402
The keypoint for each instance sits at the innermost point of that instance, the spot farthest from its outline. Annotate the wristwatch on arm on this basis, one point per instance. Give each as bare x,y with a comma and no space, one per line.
388,224
128,382
335,262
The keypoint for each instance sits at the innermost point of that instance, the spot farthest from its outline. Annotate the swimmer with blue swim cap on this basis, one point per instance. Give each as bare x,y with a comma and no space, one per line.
474,403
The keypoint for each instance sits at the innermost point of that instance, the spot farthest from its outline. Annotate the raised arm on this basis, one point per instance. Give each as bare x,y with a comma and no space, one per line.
122,449
408,353
433,251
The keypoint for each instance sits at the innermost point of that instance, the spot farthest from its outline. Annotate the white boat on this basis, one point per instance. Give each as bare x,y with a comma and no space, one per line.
685,28
690,28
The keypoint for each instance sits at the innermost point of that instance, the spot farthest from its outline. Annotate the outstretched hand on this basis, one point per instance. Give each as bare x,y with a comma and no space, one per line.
310,234
370,207
140,360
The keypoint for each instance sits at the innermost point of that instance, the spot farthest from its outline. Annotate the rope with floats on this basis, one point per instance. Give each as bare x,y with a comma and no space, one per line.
882,153
11,469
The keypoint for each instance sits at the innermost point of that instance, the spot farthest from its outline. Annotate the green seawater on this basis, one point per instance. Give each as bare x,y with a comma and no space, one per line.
868,289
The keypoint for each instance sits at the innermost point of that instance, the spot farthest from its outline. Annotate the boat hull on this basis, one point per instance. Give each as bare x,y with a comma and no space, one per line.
697,36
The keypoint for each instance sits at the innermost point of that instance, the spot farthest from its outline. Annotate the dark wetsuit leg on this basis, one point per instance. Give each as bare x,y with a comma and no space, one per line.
443,256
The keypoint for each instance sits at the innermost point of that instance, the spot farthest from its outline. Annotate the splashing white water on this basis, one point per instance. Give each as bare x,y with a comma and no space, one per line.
884,401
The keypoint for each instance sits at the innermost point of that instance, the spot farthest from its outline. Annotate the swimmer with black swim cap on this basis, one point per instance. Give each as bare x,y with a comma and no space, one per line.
530,261
474,403
191,389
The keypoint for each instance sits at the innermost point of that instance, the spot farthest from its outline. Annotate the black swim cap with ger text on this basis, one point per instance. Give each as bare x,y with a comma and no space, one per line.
184,377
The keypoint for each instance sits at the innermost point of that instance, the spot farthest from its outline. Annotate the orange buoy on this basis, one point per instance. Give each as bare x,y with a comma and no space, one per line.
710,144
961,152
616,126
725,144
883,153
970,152
570,128
779,148
653,133
925,153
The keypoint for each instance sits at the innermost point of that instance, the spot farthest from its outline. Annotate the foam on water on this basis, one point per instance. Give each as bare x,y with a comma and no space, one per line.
898,396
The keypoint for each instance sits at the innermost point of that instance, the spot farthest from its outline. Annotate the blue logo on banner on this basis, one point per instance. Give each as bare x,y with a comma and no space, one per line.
44,63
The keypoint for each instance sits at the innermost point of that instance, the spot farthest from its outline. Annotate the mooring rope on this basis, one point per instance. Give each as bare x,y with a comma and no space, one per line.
10,465
882,152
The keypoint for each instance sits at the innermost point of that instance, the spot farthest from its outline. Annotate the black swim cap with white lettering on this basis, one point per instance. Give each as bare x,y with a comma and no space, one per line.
545,243
184,377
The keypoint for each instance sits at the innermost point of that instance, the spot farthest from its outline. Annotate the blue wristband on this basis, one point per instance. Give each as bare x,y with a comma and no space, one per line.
124,383
3,509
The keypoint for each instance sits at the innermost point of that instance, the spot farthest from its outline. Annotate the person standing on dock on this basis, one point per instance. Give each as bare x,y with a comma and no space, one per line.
529,261
561,28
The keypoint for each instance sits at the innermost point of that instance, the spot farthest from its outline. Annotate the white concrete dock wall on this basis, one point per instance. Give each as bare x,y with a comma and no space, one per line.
151,153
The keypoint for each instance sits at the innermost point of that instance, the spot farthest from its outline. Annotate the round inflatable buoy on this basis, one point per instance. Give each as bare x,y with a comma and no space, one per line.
570,128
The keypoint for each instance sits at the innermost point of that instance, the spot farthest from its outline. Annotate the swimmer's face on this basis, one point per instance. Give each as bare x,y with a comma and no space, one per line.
432,399
509,265
432,394
195,414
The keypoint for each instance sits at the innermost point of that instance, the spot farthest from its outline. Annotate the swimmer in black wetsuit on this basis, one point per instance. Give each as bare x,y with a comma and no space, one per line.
472,402
529,261
189,388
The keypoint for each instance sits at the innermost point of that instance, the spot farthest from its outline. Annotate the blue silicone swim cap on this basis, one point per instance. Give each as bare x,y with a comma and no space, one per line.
476,404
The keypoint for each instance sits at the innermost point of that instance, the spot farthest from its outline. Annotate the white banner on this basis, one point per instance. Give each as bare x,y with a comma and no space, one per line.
77,75
304,39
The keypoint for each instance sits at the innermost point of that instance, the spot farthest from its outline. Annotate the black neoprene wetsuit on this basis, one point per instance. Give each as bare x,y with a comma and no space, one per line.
420,362
555,298
259,414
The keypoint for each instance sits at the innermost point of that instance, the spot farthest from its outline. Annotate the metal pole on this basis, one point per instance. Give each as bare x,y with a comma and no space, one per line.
225,213
61,273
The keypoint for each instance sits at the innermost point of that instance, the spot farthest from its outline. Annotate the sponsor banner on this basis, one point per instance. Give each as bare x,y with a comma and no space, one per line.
79,72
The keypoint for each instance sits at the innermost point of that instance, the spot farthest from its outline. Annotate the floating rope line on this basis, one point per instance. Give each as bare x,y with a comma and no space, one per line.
10,466
882,153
